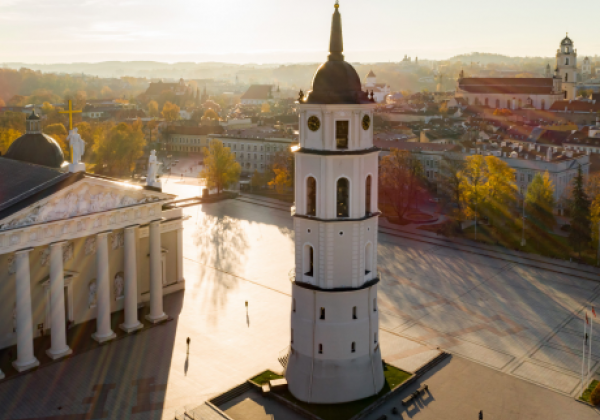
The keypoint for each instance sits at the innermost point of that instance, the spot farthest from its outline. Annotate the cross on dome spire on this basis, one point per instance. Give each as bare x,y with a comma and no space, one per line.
336,43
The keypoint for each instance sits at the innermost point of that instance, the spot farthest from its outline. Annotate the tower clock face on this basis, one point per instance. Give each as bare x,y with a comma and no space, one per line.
314,123
366,122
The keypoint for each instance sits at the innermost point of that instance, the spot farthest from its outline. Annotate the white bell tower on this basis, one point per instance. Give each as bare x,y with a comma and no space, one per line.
335,355
566,63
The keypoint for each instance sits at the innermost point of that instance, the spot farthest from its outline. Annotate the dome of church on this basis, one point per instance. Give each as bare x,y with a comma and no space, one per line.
336,81
36,147
566,41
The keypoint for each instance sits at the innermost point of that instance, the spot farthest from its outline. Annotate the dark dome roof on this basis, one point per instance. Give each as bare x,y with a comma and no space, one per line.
36,148
336,81
566,41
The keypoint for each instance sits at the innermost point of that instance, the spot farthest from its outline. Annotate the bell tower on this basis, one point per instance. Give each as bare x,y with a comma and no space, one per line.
335,355
566,62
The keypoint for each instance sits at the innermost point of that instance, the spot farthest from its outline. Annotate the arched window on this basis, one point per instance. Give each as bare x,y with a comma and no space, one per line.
368,195
343,196
375,305
354,312
308,260
320,348
520,103
543,104
341,134
353,347
486,102
567,61
497,103
368,259
322,313
567,77
508,104
311,196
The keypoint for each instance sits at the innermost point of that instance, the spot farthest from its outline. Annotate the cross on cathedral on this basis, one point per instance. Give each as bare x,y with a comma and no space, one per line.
71,111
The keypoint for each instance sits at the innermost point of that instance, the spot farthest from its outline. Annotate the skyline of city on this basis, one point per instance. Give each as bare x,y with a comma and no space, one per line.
263,31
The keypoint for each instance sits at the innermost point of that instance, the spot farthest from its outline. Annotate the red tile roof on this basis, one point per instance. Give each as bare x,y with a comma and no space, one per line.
497,85
576,106
404,145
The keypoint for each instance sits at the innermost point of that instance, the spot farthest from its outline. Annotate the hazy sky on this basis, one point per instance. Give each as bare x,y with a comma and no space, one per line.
263,31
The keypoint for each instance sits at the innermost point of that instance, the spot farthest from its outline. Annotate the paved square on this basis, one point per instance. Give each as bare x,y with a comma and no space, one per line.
522,321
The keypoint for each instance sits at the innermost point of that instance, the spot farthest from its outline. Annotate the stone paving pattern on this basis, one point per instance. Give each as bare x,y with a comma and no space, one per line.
517,320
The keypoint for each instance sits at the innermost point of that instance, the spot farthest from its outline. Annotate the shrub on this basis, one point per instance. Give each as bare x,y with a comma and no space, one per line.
595,397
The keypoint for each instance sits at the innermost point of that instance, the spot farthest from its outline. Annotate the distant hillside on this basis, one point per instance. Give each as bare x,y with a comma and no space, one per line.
487,58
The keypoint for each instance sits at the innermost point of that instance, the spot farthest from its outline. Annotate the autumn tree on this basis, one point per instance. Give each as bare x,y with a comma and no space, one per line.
220,167
539,202
265,108
501,190
170,111
400,179
119,148
595,221
153,109
282,171
472,186
579,234
59,133
450,178
210,114
258,180
7,137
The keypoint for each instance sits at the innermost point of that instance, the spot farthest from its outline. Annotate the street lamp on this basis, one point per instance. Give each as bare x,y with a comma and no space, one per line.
523,235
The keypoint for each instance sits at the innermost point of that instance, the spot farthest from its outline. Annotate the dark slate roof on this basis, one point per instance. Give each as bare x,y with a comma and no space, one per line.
38,148
156,88
24,183
498,85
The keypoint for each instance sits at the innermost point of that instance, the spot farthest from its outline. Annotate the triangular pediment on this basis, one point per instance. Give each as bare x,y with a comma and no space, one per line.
88,196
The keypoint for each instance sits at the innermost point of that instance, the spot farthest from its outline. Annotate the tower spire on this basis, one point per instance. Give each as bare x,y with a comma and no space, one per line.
336,43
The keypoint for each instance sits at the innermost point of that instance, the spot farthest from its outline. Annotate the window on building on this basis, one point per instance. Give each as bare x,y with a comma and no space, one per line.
293,305
486,102
520,103
320,348
368,195
375,338
375,305
261,157
522,177
353,347
354,313
322,313
543,104
255,166
341,134
530,177
311,196
567,77
508,104
497,103
255,148
343,197
567,61
308,260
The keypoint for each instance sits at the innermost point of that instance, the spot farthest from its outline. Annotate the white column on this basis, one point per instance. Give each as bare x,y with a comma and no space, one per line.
131,278
103,331
58,346
180,255
25,357
156,288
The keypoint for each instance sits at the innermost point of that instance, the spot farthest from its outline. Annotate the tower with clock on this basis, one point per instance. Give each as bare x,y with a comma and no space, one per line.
334,353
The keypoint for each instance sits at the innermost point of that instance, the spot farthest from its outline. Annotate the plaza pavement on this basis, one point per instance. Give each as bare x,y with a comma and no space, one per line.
513,319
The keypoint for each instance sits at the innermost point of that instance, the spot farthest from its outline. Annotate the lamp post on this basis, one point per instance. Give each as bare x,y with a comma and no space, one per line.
523,235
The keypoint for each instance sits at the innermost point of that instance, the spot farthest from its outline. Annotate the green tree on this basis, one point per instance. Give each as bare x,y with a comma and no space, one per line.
119,148
473,190
539,202
170,111
220,167
258,180
579,235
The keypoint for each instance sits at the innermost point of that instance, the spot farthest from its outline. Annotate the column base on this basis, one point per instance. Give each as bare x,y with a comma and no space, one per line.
104,338
22,367
128,330
158,319
55,355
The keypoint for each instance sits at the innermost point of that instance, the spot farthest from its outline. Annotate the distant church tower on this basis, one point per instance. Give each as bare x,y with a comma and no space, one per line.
335,354
566,62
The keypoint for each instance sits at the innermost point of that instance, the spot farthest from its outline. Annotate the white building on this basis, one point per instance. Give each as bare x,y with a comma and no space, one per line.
380,90
586,68
75,247
335,355
566,64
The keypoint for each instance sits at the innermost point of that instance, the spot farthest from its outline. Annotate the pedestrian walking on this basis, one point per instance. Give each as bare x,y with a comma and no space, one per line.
480,414
188,345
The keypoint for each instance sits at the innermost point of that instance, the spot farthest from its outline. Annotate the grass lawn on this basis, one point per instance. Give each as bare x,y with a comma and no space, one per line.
393,378
586,394
537,242
265,377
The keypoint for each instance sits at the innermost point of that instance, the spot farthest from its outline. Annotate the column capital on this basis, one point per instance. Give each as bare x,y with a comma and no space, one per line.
132,227
23,251
106,232
57,244
155,222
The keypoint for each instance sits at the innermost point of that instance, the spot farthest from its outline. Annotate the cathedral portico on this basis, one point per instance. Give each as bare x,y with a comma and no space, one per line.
131,274
103,330
59,347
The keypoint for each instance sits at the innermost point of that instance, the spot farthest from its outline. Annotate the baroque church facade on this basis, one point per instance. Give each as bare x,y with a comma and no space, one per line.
533,92
334,354
76,247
